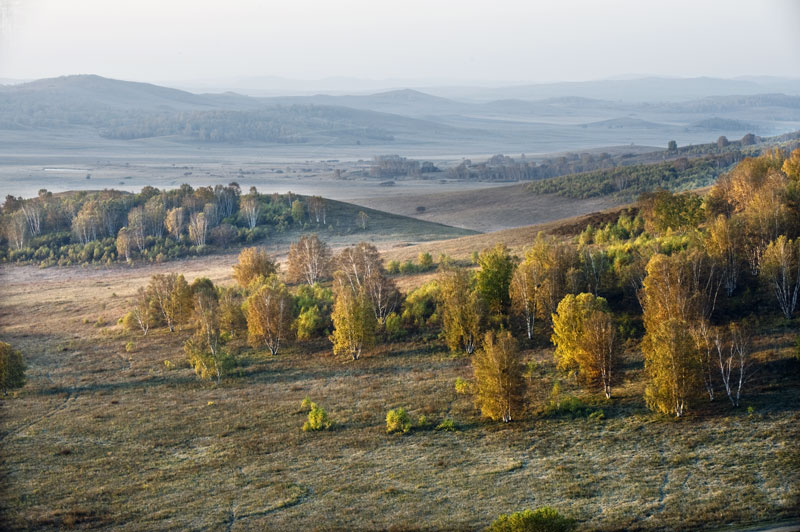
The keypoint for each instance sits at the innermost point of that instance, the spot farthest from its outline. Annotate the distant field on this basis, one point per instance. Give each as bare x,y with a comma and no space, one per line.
487,210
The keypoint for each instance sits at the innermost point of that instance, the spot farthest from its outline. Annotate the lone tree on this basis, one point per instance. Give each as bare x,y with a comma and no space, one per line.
253,263
12,368
459,309
269,312
353,320
498,377
309,260
585,339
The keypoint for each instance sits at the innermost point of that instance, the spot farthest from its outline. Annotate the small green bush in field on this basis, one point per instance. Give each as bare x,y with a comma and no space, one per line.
447,425
397,420
130,347
544,519
317,419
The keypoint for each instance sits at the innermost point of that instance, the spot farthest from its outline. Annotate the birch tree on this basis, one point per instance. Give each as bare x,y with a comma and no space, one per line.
497,370
269,313
309,260
780,272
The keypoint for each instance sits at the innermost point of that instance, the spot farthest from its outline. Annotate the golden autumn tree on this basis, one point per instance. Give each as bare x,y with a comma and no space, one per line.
309,260
354,321
172,298
585,339
552,261
499,385
269,312
253,263
780,272
670,354
460,312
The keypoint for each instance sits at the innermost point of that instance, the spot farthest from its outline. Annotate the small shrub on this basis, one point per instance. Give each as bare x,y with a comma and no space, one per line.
397,420
423,422
463,386
306,404
317,419
130,347
544,519
568,406
447,425
128,322
597,415
169,365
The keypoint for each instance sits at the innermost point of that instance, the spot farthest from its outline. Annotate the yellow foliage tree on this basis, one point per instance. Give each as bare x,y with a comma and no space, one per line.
269,312
460,309
353,319
672,363
780,271
253,263
585,339
499,384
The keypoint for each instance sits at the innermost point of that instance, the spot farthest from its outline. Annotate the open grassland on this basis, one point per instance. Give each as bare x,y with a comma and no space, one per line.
491,209
108,437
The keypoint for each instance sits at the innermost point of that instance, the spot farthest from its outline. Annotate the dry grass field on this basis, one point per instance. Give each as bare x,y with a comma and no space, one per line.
111,438
486,210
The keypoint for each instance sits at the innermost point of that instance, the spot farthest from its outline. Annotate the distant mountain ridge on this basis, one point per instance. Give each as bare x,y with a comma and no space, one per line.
578,115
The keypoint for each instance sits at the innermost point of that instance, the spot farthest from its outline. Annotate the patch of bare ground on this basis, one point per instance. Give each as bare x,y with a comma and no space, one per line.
112,438
489,209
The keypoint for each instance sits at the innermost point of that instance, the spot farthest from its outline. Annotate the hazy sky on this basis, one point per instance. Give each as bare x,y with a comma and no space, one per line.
489,41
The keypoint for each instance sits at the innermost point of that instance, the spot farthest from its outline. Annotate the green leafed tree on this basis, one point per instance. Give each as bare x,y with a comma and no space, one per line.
494,279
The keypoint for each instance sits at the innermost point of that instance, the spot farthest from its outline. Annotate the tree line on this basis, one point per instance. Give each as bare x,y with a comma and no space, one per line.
152,225
680,280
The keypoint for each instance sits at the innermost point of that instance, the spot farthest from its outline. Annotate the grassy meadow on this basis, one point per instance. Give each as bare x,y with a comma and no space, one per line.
114,431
